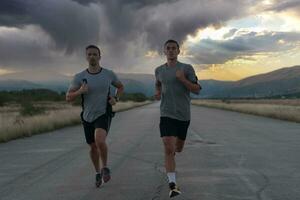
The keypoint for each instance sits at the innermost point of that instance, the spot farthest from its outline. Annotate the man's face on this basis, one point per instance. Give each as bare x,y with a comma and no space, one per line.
92,56
171,50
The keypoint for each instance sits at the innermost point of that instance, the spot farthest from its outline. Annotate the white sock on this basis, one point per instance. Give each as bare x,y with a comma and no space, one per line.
171,177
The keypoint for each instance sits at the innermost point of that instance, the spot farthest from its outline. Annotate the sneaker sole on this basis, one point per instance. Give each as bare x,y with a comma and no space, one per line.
174,194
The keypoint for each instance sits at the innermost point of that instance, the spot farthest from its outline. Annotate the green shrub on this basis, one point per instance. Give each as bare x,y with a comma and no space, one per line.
31,95
27,109
2,102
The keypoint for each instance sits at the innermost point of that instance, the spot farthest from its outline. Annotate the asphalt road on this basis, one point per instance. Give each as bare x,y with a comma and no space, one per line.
228,156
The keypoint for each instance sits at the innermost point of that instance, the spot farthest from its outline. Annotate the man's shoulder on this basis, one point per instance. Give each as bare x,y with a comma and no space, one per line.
185,65
160,67
107,71
80,74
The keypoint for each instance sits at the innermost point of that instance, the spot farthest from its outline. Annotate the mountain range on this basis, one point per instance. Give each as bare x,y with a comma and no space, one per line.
283,81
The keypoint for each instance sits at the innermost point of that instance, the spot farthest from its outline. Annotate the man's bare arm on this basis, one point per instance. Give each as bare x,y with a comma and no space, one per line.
73,93
193,87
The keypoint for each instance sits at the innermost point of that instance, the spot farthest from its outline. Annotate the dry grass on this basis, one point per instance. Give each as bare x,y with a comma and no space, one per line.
58,115
289,102
122,106
279,109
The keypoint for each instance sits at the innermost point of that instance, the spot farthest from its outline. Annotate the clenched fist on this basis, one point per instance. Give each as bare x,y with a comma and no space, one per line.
112,101
83,89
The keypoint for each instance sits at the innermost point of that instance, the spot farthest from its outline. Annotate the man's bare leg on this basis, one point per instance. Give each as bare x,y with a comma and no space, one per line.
170,164
100,139
94,154
179,145
169,148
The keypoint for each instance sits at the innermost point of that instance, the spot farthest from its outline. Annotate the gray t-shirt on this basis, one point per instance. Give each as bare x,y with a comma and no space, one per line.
175,97
94,102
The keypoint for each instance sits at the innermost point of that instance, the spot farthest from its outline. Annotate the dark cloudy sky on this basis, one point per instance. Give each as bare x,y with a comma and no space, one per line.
223,39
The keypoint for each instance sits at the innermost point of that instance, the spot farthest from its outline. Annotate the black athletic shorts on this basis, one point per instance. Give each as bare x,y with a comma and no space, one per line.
173,127
89,127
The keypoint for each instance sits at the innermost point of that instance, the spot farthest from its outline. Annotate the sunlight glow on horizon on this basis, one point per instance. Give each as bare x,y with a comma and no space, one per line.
248,65
4,71
263,37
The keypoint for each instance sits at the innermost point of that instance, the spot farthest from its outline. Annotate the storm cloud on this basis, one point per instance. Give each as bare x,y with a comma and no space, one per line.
209,51
57,31
280,5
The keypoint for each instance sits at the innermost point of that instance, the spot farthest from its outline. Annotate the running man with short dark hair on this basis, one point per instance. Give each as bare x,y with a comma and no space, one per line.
93,86
174,82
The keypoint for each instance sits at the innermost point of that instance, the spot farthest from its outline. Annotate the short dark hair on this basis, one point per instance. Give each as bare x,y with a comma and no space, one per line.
171,41
93,47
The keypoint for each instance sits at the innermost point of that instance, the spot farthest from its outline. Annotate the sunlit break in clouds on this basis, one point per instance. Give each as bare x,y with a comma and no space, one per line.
224,40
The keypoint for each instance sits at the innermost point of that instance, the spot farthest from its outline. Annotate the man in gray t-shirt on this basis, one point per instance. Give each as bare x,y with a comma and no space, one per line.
174,82
94,102
93,86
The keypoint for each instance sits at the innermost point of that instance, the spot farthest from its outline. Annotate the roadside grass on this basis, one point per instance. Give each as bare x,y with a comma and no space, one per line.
26,120
279,109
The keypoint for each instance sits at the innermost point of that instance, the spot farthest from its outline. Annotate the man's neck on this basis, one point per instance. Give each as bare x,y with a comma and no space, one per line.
171,63
94,69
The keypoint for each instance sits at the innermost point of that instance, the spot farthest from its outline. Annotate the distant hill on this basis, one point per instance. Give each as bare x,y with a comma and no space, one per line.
134,83
279,82
138,83
12,85
35,79
211,88
17,85
285,81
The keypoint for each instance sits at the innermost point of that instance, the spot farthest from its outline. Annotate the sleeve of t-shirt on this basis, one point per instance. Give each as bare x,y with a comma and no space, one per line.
114,78
75,83
191,75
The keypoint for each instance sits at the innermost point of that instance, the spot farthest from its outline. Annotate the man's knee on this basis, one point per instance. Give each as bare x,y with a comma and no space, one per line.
169,145
100,137
179,145
100,143
169,149
93,148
